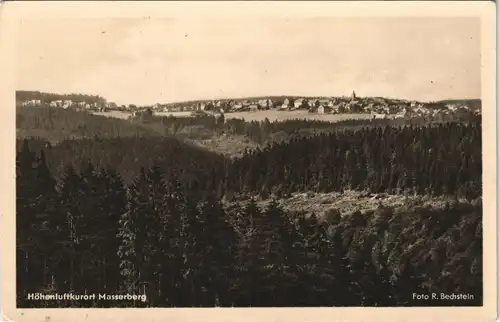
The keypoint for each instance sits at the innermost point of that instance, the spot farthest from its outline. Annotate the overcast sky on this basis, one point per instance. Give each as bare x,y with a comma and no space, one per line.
145,61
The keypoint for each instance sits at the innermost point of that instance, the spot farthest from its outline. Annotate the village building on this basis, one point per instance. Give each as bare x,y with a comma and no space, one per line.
265,103
68,104
269,104
32,103
336,109
402,113
285,104
323,109
378,116
298,103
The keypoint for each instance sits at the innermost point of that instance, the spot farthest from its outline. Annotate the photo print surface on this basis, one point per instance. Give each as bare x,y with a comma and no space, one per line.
249,161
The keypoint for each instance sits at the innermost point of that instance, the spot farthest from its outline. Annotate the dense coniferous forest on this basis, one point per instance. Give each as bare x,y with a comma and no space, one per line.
149,214
434,159
48,97
423,160
56,124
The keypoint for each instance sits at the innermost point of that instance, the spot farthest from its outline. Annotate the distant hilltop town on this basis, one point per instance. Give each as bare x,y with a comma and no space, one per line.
379,107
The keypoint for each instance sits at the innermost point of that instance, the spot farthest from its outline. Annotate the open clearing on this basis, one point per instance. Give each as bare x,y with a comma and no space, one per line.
350,201
116,114
257,116
289,115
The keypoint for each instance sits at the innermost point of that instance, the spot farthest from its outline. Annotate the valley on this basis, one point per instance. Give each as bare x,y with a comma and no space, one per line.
333,189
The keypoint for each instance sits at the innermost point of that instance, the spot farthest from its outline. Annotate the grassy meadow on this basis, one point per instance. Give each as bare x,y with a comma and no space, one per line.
271,115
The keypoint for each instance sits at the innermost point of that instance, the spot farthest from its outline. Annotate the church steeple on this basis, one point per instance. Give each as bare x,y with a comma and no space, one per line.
353,96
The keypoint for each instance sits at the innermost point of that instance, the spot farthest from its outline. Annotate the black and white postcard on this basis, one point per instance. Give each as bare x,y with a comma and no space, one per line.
280,161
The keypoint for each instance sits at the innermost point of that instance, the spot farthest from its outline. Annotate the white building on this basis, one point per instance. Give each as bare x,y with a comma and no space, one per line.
298,103
378,116
67,104
285,103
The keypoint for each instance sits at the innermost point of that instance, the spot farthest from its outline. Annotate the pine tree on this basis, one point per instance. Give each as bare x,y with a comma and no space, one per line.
72,194
217,249
35,205
247,256
275,240
112,205
142,235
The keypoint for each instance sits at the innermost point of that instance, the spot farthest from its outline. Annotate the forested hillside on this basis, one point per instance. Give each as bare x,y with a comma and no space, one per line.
48,122
48,97
216,133
196,167
263,132
179,224
56,124
442,159
182,251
